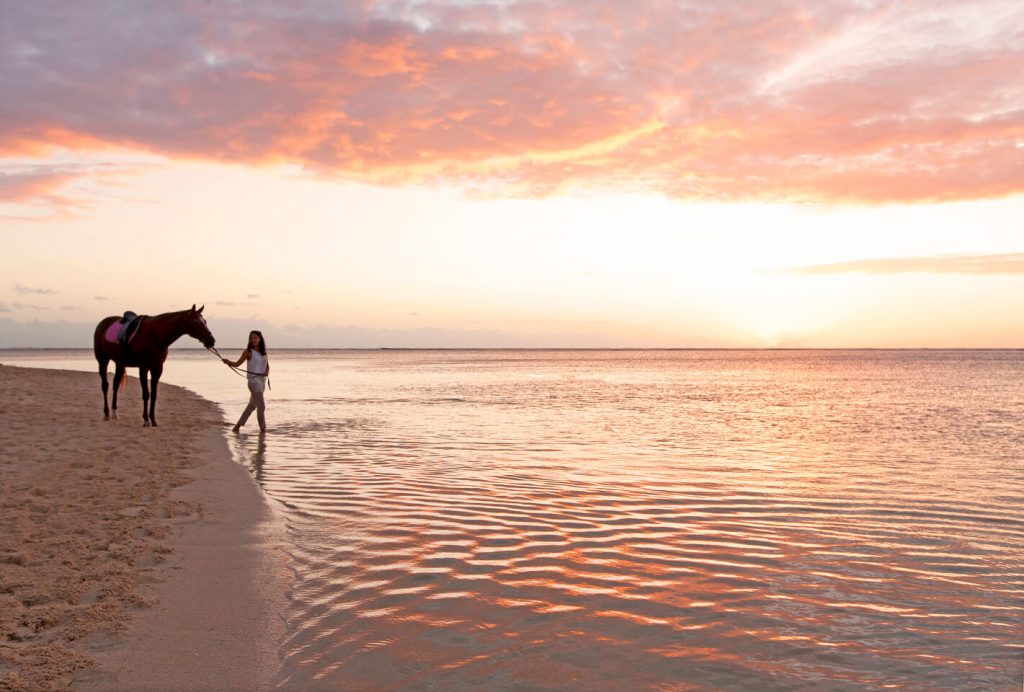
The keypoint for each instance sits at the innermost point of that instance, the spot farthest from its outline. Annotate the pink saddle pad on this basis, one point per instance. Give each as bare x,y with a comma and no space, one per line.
111,333
114,329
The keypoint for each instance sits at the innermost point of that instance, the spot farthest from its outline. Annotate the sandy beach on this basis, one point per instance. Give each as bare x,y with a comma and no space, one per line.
131,557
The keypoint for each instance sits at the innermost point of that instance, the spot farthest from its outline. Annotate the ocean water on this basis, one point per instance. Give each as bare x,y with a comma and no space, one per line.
612,520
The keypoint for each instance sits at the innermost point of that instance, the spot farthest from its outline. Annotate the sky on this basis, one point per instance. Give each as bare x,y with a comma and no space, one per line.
517,173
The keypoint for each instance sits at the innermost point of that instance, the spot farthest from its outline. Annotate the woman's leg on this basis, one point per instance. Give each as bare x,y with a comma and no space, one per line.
261,407
248,410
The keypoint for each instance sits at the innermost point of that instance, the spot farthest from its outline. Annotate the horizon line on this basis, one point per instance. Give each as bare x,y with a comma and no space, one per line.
570,348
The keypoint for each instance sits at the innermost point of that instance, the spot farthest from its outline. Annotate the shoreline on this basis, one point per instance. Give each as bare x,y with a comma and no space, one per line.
136,557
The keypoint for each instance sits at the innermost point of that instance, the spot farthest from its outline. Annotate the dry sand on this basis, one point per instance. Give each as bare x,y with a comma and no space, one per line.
130,557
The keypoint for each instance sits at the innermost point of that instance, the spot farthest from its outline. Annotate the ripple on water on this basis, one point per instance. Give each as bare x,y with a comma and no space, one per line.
759,524
438,588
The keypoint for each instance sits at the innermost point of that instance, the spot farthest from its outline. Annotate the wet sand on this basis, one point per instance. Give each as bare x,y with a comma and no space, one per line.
131,557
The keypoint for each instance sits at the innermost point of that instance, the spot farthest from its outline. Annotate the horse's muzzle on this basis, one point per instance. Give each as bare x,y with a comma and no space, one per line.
208,343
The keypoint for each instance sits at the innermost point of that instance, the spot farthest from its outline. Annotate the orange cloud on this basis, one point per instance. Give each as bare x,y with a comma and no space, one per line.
468,53
364,59
900,103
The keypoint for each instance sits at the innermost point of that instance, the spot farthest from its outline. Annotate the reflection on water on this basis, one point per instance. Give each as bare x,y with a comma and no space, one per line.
622,520
251,450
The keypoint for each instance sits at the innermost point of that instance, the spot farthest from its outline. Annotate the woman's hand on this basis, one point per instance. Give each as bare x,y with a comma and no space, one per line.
225,361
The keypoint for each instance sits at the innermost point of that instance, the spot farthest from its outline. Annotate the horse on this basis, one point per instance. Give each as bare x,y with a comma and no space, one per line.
147,351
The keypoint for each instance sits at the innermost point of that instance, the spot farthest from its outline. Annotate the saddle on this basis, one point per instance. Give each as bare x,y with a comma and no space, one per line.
124,330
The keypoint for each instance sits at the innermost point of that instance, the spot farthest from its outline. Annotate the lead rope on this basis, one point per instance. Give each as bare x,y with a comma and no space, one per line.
238,371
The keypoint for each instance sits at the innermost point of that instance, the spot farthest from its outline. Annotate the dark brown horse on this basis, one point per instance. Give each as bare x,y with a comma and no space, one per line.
146,351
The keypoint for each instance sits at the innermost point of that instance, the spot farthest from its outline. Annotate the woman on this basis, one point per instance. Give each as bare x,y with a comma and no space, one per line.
258,370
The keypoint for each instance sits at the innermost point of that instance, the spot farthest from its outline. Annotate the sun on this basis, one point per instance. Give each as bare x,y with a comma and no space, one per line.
778,309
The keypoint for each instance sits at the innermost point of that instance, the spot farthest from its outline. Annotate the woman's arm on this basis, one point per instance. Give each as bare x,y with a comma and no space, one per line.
241,359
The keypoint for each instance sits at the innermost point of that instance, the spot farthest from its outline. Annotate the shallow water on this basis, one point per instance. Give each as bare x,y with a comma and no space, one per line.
627,519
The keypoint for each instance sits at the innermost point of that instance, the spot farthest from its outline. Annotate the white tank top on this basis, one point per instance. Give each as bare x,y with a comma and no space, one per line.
257,364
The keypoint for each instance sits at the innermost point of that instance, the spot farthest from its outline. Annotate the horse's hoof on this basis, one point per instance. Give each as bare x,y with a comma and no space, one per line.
106,417
114,415
145,423
153,424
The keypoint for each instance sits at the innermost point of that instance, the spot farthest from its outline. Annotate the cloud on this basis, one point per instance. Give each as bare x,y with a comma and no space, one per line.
229,303
944,264
8,307
837,101
40,187
27,185
24,290
53,189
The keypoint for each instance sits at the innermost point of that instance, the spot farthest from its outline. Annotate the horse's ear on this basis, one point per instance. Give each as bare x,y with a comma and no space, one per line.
193,307
200,311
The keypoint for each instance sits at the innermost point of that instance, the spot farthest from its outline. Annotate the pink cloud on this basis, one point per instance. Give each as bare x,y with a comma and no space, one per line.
28,185
903,101
41,189
46,192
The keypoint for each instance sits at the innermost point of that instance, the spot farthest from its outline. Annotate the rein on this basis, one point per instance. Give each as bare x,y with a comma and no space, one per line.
238,371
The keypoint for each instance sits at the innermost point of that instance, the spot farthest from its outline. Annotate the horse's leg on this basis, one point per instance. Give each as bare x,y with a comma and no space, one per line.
144,380
157,371
119,374
103,384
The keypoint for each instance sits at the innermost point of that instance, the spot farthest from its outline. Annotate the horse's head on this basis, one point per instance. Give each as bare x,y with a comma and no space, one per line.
196,327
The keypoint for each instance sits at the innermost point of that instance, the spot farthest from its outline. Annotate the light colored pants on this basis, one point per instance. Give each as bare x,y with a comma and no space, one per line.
255,404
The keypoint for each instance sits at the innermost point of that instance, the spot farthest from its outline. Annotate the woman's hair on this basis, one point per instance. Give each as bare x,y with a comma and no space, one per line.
262,348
